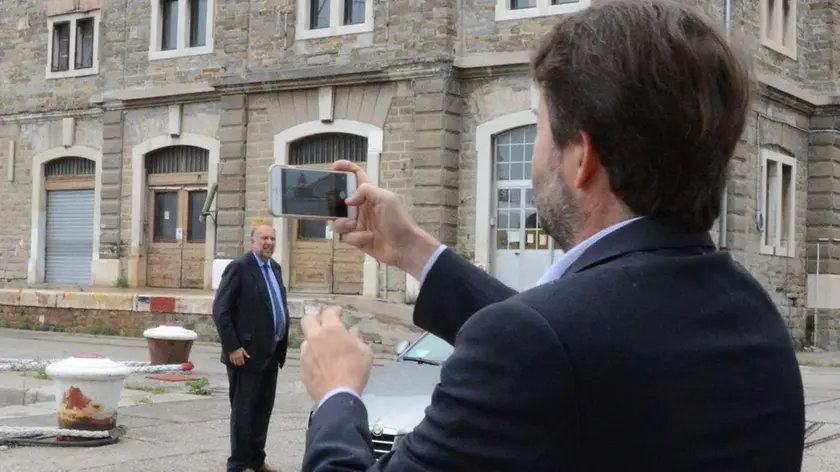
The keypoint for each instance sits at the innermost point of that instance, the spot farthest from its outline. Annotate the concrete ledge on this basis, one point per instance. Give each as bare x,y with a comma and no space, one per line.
129,314
119,301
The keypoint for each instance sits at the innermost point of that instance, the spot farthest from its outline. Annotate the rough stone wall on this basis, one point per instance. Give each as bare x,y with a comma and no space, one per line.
143,124
231,195
821,57
770,126
437,110
824,214
258,35
396,170
250,37
112,183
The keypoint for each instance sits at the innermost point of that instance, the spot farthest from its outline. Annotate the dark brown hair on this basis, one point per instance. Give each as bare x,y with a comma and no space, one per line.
660,93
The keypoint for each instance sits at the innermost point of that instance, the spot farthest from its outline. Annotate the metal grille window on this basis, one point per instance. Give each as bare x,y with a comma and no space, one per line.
327,148
69,166
177,159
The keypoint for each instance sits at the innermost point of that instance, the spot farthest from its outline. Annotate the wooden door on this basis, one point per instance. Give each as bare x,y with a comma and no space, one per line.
347,268
175,256
321,263
311,261
192,249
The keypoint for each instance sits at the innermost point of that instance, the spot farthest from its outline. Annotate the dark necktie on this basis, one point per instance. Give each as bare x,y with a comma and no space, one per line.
275,299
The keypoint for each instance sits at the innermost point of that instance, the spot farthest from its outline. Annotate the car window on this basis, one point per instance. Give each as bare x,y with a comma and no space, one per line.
431,348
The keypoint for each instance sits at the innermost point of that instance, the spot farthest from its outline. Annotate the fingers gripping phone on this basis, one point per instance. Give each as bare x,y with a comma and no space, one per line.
307,193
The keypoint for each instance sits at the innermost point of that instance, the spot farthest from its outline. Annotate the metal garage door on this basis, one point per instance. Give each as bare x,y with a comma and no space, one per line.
69,248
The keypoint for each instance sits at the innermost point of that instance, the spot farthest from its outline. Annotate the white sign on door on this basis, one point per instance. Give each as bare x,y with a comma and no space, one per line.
328,231
179,234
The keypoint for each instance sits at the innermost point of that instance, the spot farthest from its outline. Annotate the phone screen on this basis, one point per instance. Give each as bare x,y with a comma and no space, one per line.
311,192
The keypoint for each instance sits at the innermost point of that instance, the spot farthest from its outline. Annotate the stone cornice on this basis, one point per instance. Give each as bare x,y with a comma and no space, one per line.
493,71
50,115
156,96
330,76
778,90
270,82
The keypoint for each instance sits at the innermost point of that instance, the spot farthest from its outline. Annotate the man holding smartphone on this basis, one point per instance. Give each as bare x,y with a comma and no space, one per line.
643,348
252,319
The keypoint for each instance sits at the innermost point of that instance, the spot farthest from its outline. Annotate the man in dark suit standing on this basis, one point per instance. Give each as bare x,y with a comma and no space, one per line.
643,348
252,319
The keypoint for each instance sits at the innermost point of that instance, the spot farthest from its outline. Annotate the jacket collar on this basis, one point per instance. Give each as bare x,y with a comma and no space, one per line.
645,234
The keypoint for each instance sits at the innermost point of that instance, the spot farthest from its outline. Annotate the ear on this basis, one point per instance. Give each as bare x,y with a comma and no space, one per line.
588,161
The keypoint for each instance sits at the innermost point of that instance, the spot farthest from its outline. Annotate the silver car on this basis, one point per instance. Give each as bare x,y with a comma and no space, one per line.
397,394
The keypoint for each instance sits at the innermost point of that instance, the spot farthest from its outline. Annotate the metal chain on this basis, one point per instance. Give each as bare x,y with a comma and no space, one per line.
12,360
23,431
22,365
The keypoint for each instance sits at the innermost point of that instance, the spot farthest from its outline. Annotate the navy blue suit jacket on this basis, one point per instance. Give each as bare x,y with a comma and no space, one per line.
653,353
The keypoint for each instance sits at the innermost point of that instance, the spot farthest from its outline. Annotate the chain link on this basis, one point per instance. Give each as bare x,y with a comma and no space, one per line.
21,365
24,431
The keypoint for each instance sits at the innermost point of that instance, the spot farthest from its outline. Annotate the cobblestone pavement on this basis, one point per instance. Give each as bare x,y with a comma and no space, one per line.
193,434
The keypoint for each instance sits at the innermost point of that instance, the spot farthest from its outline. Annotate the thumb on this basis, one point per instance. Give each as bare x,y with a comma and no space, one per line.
246,353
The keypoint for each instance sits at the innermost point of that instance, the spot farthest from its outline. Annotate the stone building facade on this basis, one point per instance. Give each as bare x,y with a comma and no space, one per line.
135,138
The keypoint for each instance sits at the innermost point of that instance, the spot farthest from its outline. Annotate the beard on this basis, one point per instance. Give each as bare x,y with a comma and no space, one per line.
559,214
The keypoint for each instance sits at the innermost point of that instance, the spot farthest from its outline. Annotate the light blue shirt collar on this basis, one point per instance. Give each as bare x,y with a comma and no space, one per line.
565,261
259,260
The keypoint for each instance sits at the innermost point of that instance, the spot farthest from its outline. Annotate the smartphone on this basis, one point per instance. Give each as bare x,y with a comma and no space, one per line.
307,193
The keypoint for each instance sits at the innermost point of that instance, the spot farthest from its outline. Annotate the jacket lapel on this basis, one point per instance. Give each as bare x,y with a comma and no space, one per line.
646,234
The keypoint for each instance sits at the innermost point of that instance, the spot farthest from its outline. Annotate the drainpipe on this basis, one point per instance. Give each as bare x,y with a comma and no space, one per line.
724,201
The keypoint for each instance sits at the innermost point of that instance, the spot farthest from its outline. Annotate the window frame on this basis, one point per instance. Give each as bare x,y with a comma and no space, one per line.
73,18
775,247
337,9
188,227
776,43
183,29
543,8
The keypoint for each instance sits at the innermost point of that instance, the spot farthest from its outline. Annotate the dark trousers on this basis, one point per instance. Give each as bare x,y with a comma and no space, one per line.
251,403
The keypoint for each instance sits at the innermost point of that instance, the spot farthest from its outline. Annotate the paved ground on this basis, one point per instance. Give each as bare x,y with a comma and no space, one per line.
169,429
